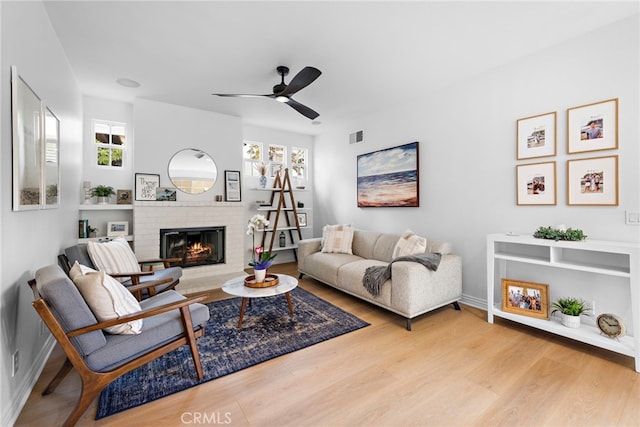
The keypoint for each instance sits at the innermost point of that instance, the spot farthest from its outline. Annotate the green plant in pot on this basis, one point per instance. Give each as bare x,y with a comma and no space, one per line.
570,310
102,192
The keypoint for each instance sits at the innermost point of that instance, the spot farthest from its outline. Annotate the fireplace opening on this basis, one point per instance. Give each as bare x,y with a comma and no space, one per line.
193,246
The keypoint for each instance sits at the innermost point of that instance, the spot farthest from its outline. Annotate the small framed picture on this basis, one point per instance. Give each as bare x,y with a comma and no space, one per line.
536,184
232,187
123,197
536,136
593,127
525,298
165,194
302,219
146,185
117,228
593,181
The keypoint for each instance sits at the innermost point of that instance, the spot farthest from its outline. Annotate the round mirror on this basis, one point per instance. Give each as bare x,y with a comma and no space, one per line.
192,171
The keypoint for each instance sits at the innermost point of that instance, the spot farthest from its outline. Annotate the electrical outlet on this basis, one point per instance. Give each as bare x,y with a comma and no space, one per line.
15,359
632,218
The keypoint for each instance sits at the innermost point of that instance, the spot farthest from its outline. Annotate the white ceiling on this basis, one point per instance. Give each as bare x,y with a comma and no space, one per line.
371,54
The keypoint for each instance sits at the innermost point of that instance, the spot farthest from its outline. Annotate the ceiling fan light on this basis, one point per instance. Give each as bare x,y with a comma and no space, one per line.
282,98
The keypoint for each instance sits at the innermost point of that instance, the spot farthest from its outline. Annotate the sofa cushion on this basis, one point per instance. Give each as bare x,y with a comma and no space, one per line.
337,239
383,249
107,299
324,266
113,257
363,242
350,280
156,330
409,243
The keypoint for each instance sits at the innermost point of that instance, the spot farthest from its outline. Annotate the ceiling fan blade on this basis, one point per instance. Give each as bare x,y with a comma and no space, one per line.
301,80
302,109
241,95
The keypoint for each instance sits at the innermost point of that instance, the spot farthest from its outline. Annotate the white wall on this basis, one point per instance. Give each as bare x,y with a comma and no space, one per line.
32,239
162,129
468,152
251,193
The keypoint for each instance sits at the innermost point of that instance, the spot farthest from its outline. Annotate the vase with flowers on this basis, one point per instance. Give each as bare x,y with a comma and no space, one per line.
262,169
260,259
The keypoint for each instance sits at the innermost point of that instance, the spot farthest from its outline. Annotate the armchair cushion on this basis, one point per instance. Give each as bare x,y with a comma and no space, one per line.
156,330
113,257
107,298
69,308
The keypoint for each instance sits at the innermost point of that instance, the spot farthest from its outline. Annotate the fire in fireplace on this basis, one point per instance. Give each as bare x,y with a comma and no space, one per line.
194,246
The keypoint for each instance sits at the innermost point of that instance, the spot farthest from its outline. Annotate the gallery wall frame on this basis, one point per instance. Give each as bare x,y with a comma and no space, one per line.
536,136
389,177
145,185
302,219
536,184
232,186
27,121
51,160
593,181
525,298
593,127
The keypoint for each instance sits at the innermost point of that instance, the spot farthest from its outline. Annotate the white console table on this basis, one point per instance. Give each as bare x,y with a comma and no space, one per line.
620,260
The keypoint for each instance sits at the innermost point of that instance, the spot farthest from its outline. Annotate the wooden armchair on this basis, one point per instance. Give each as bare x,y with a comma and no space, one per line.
140,282
177,321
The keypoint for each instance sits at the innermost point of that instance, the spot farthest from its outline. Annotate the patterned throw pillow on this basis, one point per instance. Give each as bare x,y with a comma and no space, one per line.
337,239
409,244
107,298
113,257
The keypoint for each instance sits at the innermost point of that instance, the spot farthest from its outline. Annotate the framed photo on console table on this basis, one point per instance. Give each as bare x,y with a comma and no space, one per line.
593,127
536,136
525,298
536,184
593,181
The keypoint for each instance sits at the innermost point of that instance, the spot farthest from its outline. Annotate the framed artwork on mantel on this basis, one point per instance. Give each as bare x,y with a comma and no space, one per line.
146,184
536,136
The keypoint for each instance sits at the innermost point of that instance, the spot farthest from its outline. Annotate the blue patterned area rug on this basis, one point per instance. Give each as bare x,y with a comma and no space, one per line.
268,331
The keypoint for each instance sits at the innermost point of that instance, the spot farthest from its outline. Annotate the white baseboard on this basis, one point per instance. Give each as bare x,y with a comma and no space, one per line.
474,301
11,411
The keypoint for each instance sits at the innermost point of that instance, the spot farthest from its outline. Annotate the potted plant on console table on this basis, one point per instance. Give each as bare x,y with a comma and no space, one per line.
570,310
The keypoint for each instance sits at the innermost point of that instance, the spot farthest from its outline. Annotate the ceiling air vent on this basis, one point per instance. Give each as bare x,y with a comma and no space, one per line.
356,137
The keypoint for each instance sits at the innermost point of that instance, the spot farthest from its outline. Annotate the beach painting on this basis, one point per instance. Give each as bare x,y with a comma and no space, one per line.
389,177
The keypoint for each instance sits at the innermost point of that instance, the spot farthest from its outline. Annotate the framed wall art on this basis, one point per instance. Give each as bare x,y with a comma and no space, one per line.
389,177
117,228
536,136
123,197
525,298
232,187
536,184
593,127
27,134
302,219
145,185
593,181
166,194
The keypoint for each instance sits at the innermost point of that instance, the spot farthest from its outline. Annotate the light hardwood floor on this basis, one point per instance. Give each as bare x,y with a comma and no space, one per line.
453,369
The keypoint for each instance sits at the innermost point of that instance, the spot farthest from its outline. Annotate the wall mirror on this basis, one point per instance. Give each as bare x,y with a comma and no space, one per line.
192,171
27,125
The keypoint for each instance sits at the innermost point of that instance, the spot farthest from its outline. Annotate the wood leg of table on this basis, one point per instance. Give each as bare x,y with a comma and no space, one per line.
242,307
289,302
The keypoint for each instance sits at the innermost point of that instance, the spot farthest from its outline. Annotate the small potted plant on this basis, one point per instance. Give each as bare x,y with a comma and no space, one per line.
570,310
102,192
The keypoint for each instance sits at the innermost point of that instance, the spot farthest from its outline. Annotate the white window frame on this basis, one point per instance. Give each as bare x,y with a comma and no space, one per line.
109,145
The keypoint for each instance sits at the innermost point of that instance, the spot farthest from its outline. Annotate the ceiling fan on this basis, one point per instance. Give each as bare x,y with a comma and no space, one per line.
282,92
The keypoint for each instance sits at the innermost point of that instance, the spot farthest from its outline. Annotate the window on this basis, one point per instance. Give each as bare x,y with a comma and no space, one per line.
298,163
110,141
252,155
277,158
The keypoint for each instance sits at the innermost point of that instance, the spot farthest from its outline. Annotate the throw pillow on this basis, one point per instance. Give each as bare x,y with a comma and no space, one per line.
113,257
107,298
337,239
409,244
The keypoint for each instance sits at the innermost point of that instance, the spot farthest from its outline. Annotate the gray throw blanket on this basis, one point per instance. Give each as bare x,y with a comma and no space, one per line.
375,276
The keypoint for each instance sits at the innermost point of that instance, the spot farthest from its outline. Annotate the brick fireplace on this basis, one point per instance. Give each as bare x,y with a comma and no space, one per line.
150,217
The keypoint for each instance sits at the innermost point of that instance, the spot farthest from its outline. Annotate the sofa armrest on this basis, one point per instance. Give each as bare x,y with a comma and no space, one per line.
415,289
307,247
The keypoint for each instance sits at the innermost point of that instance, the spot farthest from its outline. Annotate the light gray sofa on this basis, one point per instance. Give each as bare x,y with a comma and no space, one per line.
413,289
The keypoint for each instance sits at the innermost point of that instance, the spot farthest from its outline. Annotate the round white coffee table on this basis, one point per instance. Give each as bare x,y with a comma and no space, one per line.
237,288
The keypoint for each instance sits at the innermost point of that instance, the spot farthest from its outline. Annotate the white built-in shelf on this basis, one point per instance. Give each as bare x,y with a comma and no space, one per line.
294,189
293,227
616,259
275,208
101,238
284,248
105,207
